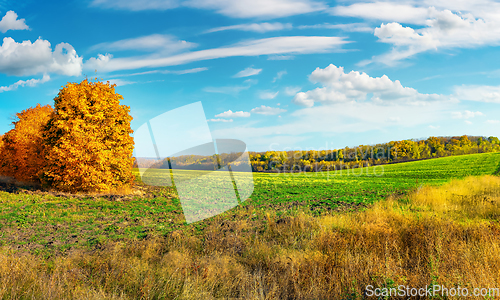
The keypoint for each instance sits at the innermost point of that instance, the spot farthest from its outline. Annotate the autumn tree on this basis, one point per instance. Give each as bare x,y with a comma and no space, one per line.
87,142
340,155
21,147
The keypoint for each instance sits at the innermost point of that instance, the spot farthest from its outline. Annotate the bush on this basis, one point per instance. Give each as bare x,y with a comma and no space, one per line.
87,143
20,148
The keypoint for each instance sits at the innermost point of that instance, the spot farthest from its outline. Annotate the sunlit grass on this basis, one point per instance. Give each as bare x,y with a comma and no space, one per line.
447,235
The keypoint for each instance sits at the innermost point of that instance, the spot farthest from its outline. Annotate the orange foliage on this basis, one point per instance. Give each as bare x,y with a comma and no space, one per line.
87,144
21,147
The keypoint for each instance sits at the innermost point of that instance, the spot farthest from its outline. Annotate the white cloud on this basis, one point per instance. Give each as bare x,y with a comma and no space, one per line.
231,114
22,83
292,90
413,12
230,8
28,58
384,11
350,117
137,5
177,72
188,71
438,28
267,95
468,122
351,27
10,22
120,82
268,111
251,81
164,42
279,75
247,72
433,127
482,93
258,8
230,90
394,119
256,27
267,46
340,87
281,57
466,114
493,121
220,120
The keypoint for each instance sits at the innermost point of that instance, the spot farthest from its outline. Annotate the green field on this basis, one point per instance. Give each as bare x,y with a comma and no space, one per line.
46,223
367,185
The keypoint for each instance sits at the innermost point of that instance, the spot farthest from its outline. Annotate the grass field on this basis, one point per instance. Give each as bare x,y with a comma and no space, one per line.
300,236
48,224
367,185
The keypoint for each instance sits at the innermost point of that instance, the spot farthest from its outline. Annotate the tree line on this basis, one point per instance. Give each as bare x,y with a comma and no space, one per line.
337,159
370,155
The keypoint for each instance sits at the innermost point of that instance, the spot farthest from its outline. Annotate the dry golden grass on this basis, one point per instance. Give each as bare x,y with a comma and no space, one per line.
446,235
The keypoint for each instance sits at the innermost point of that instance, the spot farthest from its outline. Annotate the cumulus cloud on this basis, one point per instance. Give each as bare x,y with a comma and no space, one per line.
437,28
340,87
466,114
28,58
21,83
231,114
268,95
247,72
444,30
99,62
414,12
255,27
267,46
492,121
10,22
164,42
268,111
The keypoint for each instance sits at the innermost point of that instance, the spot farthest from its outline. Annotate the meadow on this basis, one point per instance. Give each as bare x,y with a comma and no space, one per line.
299,236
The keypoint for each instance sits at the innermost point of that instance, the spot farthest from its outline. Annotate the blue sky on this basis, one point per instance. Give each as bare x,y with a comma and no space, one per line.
276,74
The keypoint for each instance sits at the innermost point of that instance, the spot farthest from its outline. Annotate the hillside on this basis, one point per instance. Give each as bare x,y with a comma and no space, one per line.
371,230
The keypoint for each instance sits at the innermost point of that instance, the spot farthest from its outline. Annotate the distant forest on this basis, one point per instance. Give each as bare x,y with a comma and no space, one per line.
337,159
